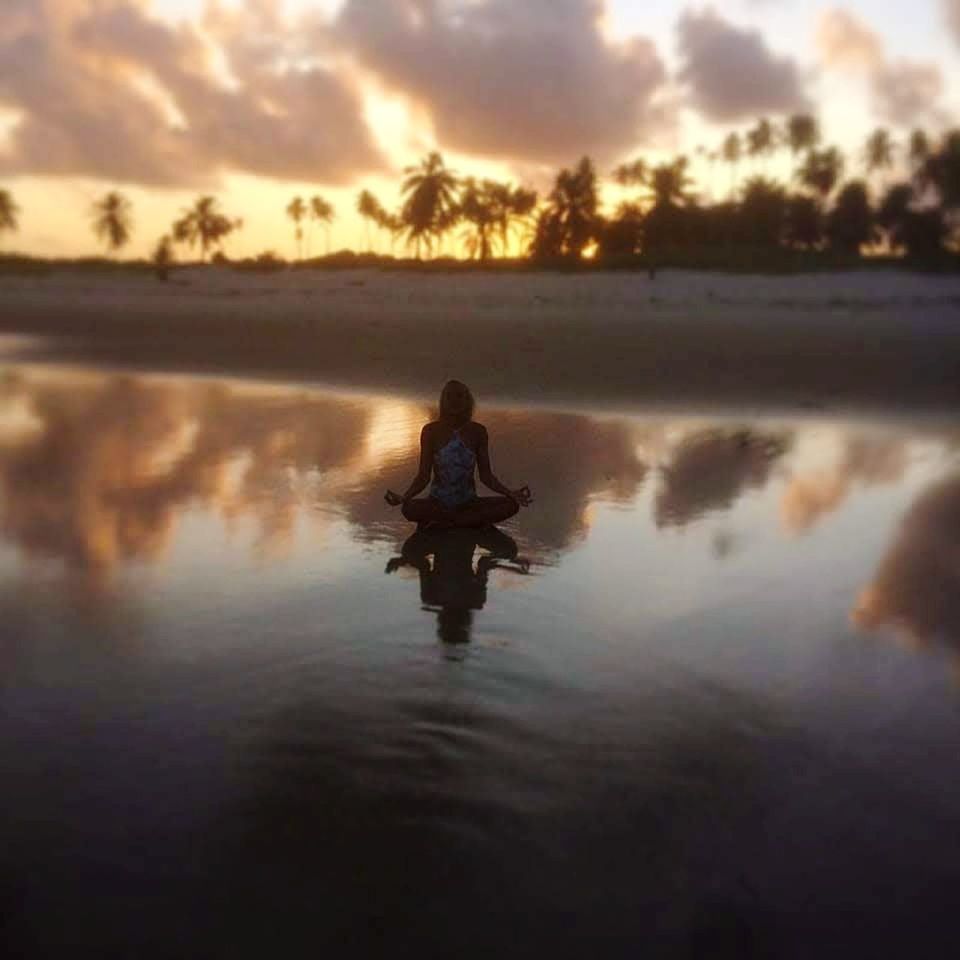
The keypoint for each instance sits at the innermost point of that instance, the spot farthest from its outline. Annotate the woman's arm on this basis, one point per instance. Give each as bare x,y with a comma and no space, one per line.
422,478
489,479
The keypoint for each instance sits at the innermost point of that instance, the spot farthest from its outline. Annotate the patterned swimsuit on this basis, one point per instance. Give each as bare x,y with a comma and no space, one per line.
453,468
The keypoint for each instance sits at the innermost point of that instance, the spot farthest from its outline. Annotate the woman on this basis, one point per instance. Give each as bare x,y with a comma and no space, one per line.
452,448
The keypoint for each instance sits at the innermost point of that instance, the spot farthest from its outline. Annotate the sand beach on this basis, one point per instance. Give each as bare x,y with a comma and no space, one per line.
844,340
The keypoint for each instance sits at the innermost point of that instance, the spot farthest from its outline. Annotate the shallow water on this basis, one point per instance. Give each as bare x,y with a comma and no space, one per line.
701,699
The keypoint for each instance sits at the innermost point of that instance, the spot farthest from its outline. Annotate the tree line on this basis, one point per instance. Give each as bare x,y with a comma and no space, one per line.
819,209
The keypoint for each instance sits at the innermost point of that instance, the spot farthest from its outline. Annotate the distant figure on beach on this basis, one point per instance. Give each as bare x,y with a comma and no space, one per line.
452,449
450,587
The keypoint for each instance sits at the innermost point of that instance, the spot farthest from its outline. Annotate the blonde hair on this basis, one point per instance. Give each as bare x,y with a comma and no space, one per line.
445,412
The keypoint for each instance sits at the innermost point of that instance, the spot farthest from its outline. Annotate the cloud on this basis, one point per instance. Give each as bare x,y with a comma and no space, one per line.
904,92
731,73
952,11
106,90
534,81
844,41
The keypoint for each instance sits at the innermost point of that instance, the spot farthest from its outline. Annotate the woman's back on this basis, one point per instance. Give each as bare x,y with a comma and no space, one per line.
454,465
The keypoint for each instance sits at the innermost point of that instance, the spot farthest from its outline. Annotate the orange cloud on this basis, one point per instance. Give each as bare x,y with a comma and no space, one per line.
106,90
845,41
903,91
531,81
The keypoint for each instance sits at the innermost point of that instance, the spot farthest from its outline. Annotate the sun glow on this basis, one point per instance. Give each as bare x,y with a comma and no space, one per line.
9,121
393,432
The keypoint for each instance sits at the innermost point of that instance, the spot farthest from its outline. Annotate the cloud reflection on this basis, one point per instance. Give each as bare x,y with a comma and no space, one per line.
867,460
571,459
711,468
94,472
916,589
97,470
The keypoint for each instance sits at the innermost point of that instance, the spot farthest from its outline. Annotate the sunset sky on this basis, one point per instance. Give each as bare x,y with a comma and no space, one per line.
260,101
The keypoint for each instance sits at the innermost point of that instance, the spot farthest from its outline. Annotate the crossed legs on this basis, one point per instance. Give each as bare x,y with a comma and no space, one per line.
480,512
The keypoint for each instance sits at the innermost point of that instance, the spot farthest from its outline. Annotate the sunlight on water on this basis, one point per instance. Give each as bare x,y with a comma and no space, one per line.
703,636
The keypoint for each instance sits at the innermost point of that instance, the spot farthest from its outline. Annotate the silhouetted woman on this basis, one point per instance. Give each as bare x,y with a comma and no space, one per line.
452,449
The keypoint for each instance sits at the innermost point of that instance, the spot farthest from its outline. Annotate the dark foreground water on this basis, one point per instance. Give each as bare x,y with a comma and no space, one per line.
700,700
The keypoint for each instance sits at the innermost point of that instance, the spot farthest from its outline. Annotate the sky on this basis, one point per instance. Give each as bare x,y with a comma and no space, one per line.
260,101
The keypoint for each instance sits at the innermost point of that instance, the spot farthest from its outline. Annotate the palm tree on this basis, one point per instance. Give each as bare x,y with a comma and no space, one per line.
622,237
761,141
732,151
669,182
763,213
204,223
113,220
369,208
446,221
893,213
713,157
632,174
429,210
296,211
570,222
393,224
821,171
162,257
942,171
478,205
517,210
851,224
919,232
322,211
878,153
918,150
804,222
9,212
802,133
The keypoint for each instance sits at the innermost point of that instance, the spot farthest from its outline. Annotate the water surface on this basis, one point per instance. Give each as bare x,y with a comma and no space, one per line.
701,697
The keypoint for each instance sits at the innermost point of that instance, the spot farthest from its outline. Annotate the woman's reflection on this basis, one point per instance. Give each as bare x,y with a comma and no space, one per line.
450,586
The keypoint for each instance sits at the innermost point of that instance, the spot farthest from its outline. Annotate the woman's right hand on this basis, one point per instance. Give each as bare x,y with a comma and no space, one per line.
394,499
522,496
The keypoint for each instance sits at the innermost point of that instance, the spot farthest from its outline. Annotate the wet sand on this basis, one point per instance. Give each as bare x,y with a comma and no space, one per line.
831,341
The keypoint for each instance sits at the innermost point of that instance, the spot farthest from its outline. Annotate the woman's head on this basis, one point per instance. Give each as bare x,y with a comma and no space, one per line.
456,402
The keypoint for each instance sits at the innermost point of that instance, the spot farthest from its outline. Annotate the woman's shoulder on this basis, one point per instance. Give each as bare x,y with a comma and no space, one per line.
475,432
